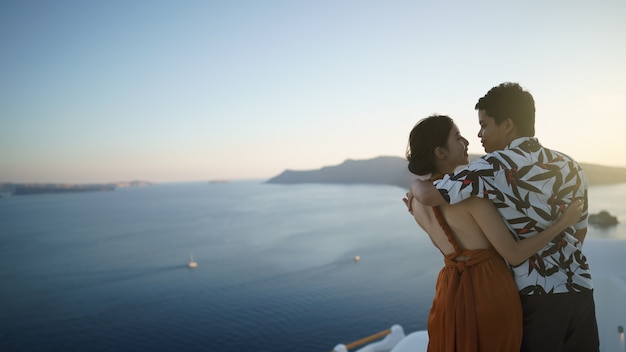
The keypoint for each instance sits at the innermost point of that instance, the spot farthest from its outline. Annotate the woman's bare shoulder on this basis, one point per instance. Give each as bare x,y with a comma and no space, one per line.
472,202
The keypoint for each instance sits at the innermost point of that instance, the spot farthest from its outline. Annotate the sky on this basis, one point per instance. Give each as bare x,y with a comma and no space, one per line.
174,91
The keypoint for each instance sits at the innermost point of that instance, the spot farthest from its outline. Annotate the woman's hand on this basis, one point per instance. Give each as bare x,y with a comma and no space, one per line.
408,200
572,213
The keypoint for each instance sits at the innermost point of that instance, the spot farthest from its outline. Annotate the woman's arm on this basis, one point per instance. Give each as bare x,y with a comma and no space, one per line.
492,225
426,193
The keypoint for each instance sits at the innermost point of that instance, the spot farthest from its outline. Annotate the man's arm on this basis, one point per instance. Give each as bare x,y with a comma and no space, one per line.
426,193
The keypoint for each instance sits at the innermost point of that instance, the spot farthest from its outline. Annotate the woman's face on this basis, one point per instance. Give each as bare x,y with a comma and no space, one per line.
457,148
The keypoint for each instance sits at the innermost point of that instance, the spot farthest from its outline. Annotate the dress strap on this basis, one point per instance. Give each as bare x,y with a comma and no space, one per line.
448,231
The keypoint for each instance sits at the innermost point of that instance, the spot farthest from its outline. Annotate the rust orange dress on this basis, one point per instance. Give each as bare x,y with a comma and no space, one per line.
476,305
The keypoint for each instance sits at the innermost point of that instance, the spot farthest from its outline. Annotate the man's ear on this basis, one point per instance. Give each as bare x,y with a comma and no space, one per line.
509,126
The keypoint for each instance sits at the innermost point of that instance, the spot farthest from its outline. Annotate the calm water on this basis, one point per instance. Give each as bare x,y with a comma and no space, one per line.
107,271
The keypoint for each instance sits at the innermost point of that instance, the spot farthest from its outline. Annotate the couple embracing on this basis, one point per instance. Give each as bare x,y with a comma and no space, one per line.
510,226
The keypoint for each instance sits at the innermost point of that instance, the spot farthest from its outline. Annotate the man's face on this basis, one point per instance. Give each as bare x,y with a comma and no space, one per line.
492,136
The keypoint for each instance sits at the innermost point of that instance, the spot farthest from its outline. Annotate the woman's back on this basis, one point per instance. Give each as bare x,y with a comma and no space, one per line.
459,218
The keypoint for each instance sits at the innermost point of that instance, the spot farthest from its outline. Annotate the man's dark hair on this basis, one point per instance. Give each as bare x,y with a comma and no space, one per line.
510,101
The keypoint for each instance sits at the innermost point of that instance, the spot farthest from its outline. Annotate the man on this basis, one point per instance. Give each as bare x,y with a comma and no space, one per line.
530,185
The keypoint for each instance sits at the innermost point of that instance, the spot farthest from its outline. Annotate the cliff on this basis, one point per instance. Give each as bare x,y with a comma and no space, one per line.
384,170
603,175
391,170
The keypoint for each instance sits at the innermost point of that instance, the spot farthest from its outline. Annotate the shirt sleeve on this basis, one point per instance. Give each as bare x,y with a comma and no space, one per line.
476,179
582,192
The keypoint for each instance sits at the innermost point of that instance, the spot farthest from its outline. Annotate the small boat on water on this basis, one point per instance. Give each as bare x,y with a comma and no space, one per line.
192,263
608,268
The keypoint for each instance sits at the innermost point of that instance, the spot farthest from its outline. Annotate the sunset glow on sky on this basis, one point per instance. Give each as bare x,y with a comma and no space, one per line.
102,91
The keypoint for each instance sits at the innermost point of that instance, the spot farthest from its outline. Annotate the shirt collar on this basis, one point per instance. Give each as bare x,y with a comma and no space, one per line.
518,141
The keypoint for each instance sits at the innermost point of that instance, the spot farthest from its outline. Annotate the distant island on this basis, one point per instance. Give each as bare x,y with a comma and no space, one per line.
20,189
392,170
603,219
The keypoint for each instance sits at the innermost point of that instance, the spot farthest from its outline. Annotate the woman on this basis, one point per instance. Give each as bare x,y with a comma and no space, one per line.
476,305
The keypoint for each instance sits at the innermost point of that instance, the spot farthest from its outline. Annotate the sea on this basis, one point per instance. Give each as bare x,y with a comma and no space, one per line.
277,268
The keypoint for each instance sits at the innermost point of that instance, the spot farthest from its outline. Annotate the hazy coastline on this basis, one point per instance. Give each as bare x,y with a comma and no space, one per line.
391,170
384,170
19,189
